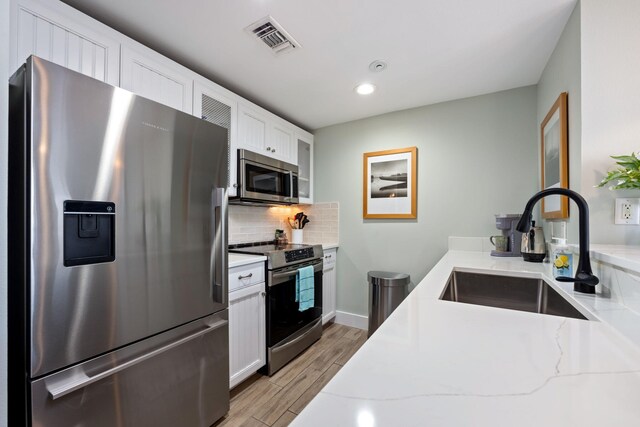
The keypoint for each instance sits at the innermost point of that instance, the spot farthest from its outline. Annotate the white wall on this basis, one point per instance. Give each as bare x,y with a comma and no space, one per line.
4,76
562,74
610,40
476,157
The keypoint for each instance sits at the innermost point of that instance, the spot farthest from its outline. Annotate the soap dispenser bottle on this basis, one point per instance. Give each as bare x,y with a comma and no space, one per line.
562,259
561,256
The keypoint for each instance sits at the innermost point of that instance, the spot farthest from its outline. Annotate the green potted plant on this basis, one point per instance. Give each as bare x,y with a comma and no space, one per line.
627,175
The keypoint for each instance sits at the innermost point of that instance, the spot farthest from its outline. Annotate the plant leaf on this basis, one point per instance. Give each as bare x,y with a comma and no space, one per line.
627,176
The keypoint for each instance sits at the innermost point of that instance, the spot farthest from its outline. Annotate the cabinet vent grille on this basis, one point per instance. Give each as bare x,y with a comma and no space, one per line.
219,114
273,35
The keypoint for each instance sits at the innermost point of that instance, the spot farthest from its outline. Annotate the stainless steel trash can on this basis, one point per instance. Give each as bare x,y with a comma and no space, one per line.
386,291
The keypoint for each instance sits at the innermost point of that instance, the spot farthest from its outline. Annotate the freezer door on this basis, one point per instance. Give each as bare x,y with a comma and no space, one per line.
163,172
180,378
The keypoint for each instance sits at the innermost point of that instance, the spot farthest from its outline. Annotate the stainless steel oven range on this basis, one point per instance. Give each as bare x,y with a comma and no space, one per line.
289,330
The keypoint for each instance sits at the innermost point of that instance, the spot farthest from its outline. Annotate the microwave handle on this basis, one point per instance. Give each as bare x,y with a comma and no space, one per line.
291,184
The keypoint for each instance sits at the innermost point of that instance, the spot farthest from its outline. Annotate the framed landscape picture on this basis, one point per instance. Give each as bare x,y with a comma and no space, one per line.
555,159
390,181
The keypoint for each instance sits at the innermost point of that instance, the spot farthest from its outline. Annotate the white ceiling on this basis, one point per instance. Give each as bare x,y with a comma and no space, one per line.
437,50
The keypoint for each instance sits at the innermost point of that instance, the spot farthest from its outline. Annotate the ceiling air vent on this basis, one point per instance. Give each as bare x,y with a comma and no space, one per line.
273,35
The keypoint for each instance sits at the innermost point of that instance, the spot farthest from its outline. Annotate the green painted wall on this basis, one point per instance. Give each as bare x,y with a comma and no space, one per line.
476,157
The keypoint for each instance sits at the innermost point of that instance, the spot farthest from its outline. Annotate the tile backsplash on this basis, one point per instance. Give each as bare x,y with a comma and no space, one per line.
257,223
324,225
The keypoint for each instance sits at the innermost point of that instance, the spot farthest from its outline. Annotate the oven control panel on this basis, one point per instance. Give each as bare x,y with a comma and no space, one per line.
298,254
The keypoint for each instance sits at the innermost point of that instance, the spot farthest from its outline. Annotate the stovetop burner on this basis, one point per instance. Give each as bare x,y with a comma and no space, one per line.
263,247
279,255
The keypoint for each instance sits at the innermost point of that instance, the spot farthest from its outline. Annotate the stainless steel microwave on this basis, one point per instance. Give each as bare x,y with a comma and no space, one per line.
264,180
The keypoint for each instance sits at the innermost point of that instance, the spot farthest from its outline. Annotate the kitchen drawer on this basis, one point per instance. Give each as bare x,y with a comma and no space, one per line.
177,378
246,275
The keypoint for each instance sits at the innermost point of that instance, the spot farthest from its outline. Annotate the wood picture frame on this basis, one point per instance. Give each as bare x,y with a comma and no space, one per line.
390,181
554,138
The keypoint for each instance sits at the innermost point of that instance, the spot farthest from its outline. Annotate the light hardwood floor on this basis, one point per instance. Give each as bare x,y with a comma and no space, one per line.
275,401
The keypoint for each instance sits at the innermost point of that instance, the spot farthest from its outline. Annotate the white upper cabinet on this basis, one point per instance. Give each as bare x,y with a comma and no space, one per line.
61,34
264,133
252,130
282,141
217,105
305,166
149,74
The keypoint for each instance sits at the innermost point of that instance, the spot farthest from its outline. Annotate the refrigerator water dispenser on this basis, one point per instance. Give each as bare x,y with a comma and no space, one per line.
89,232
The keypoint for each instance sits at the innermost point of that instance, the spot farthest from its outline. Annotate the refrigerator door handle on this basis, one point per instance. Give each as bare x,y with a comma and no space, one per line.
81,379
219,247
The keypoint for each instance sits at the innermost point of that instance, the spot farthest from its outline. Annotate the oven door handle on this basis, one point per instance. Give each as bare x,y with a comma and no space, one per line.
317,267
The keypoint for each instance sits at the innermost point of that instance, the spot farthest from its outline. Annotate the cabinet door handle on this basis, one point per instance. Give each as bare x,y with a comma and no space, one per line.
327,256
240,277
268,148
273,150
263,293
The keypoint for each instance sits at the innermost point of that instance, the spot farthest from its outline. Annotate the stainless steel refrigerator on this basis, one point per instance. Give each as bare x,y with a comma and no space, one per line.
117,242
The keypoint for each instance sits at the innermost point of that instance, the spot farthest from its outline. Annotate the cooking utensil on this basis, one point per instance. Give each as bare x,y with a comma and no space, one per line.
298,221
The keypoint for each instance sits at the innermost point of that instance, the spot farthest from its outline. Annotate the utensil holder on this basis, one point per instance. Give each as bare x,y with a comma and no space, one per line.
296,236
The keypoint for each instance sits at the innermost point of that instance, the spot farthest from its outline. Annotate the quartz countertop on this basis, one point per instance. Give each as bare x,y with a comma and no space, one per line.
436,362
236,260
625,256
327,246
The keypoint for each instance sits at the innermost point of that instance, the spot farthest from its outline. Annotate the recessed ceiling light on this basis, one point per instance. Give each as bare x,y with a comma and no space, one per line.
365,88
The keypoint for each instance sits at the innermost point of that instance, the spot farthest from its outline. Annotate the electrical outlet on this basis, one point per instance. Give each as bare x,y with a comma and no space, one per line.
627,211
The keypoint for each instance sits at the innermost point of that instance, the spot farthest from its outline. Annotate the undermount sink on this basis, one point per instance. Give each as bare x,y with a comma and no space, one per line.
514,293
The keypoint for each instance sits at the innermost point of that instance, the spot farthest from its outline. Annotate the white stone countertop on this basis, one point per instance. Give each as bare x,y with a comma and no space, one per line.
236,260
326,246
442,363
624,256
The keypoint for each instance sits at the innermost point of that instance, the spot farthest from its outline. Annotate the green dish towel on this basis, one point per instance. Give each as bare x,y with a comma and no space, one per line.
305,288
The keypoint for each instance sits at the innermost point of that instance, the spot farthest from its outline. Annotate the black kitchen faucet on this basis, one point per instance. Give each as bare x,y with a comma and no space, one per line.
584,281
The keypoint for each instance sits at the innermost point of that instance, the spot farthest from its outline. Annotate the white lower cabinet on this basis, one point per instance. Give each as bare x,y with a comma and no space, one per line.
247,329
329,280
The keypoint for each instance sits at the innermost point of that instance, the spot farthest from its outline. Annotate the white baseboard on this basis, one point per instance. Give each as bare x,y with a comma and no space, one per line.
354,320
